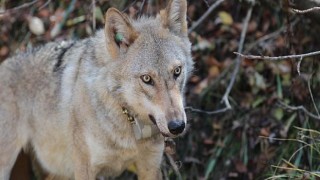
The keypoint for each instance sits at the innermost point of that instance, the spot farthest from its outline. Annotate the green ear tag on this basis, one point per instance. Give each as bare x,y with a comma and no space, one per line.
119,37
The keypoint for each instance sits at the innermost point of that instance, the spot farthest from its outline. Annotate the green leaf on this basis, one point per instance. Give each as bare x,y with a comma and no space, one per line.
279,87
213,161
258,101
278,114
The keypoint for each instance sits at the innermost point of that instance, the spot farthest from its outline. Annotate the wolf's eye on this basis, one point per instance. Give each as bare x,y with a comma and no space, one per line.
177,72
146,79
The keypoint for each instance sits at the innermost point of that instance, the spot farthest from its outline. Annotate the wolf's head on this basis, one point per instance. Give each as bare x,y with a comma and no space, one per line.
155,61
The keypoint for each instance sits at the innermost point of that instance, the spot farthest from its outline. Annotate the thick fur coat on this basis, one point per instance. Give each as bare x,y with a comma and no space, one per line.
65,100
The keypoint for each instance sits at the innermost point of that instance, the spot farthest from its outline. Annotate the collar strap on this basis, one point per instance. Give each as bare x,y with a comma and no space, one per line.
141,131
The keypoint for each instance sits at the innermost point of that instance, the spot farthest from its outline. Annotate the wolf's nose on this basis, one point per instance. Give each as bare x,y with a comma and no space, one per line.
176,127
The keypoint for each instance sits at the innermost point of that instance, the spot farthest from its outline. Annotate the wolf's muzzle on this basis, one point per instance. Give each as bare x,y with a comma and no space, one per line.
176,127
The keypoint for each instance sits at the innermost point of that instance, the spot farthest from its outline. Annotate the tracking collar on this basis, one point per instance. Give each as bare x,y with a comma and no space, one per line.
140,130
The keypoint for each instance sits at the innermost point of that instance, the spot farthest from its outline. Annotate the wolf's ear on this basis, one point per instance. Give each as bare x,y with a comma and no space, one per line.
119,32
174,17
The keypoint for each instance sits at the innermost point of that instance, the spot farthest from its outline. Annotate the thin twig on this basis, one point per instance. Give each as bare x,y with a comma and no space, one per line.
225,97
45,4
305,10
264,38
225,71
205,1
141,7
57,28
276,58
20,7
129,6
299,108
311,95
174,166
295,169
206,112
205,15
268,36
299,65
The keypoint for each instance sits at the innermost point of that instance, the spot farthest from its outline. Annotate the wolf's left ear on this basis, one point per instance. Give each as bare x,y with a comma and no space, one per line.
174,17
119,32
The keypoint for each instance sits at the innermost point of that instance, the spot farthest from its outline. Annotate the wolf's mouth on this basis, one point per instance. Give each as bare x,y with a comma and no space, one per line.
139,126
153,120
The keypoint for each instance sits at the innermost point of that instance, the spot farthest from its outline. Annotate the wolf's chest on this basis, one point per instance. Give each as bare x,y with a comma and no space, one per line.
114,164
112,156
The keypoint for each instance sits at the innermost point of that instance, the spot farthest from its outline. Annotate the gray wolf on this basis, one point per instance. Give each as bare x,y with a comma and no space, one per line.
95,106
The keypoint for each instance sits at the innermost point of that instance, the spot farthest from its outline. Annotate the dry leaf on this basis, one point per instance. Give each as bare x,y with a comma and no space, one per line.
36,25
225,18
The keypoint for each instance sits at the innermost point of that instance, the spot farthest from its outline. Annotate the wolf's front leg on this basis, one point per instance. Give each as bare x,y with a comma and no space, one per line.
146,171
149,162
82,168
82,171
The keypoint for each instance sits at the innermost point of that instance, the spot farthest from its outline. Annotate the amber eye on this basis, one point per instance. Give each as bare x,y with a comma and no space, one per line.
177,71
146,79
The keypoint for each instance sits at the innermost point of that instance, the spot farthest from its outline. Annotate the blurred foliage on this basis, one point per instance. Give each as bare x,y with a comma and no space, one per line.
258,138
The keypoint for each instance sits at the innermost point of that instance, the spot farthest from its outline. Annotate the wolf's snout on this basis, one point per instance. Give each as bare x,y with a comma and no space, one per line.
176,127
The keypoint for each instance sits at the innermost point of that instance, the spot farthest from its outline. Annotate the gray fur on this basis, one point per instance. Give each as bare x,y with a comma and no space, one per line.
65,99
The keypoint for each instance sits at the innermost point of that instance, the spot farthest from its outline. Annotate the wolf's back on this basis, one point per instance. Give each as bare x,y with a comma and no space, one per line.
35,69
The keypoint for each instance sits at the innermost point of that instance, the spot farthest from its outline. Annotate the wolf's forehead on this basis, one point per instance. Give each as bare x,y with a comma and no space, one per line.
161,48
157,46
156,55
162,52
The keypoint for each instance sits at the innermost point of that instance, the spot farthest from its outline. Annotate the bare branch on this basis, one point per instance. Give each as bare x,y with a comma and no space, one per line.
131,4
57,27
207,112
299,65
141,7
205,15
268,36
45,4
277,58
225,98
205,1
20,7
299,108
25,5
305,10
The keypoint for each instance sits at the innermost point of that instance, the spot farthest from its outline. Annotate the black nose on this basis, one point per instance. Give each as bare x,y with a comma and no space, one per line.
176,127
